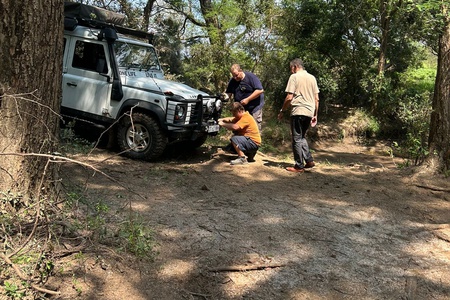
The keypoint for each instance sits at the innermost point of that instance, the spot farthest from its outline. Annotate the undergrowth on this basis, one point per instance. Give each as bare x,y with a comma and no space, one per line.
36,234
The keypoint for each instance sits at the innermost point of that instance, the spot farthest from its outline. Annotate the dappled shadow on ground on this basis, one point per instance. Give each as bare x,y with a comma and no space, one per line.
354,227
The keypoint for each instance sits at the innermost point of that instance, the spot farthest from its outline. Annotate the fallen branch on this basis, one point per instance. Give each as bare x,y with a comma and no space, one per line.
24,278
433,188
77,249
245,268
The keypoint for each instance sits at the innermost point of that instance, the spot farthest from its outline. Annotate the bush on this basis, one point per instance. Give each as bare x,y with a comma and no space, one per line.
361,124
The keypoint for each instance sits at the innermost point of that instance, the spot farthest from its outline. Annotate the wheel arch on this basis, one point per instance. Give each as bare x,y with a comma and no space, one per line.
151,109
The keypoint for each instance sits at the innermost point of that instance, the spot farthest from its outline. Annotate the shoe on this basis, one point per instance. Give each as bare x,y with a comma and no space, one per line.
239,161
309,165
251,156
295,169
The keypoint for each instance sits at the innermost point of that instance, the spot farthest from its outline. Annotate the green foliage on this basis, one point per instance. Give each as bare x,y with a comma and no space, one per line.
70,143
274,134
362,124
13,291
137,238
97,219
131,235
407,115
414,113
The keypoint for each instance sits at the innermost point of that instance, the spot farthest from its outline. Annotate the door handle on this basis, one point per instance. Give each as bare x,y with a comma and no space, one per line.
71,84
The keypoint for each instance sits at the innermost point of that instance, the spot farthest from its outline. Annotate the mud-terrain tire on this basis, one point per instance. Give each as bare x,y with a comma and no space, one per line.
141,139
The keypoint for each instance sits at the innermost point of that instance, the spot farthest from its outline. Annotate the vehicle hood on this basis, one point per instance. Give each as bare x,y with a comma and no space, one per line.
163,85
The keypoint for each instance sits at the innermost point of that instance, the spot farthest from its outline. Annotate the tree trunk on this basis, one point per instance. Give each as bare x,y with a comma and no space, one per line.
439,138
146,16
31,46
385,27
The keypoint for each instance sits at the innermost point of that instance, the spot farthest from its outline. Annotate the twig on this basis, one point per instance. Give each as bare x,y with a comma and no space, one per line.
246,268
23,97
61,159
36,221
199,295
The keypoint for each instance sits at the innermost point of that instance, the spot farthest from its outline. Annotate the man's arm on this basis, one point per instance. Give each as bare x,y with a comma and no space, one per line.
227,120
252,96
229,126
286,104
316,111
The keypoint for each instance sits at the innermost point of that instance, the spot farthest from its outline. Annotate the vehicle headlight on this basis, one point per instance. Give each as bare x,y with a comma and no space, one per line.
180,112
210,106
218,105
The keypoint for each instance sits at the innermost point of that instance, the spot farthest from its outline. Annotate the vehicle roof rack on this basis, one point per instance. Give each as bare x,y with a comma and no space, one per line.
96,17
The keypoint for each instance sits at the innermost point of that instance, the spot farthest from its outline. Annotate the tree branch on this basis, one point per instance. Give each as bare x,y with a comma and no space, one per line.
24,278
245,268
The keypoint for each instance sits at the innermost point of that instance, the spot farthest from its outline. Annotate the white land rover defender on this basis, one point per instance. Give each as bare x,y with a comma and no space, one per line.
111,76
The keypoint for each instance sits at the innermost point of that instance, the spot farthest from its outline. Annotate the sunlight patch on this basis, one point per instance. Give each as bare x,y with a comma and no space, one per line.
172,233
243,284
368,214
177,269
272,220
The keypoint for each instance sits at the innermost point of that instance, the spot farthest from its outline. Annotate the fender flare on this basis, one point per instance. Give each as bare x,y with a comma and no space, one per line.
153,109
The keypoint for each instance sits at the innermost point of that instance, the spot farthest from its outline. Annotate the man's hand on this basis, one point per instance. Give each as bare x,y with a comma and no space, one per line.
280,115
244,101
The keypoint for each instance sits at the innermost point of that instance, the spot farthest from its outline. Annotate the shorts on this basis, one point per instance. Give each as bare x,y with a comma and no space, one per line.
244,143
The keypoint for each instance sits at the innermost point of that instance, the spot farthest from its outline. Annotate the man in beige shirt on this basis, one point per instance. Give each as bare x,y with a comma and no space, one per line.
303,98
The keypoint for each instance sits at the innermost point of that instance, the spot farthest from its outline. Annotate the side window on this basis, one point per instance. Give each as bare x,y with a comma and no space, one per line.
90,56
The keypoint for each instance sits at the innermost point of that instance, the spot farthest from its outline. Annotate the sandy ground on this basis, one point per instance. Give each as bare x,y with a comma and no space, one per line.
353,227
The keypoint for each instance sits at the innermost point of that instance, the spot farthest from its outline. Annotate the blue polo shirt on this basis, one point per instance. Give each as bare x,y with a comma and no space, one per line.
244,88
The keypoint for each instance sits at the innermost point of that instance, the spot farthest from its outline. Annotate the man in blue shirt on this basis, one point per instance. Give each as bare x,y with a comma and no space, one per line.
246,88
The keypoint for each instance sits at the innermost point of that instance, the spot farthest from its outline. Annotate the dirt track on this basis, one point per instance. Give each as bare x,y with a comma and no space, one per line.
354,227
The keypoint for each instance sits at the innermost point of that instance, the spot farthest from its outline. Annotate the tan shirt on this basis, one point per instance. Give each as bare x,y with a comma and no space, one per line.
304,87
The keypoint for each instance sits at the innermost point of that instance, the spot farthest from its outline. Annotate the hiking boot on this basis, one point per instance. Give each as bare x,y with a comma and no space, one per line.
309,165
251,156
239,161
295,169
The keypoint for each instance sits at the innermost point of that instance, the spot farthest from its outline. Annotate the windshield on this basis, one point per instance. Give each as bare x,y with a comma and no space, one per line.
136,56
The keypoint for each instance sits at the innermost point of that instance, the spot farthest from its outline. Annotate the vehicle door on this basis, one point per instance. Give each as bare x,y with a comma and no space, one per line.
86,76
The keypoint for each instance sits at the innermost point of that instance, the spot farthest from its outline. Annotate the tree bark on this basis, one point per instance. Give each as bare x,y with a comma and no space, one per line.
439,138
31,46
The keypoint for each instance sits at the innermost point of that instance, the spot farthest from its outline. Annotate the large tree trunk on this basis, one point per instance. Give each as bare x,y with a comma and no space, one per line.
31,46
439,138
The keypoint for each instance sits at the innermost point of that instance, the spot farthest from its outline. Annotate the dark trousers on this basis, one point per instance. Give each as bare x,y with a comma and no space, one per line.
300,148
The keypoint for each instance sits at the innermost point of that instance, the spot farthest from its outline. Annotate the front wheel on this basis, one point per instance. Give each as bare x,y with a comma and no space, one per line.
197,142
141,137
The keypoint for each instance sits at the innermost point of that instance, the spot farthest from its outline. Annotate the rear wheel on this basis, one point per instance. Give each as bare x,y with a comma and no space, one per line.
141,138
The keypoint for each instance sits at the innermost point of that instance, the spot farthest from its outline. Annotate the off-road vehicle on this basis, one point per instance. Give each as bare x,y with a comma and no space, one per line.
112,78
